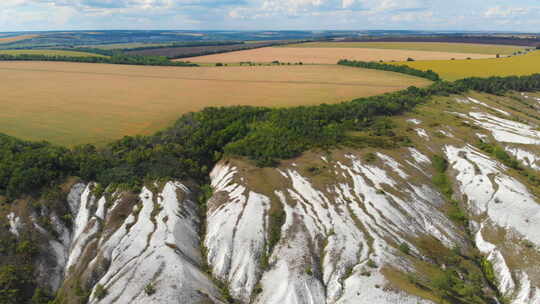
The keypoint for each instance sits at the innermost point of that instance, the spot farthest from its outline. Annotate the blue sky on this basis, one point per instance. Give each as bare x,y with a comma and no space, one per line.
516,15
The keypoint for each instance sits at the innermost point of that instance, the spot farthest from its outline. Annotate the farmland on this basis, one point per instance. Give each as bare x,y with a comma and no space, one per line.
189,51
16,38
420,46
75,103
329,55
49,53
457,69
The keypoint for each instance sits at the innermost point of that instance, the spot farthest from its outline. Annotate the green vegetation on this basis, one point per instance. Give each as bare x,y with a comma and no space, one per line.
457,69
440,179
51,53
150,289
404,247
114,59
429,74
100,292
277,219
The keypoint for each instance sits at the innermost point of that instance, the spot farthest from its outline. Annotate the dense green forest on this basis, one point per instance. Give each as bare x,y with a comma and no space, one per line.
115,58
429,74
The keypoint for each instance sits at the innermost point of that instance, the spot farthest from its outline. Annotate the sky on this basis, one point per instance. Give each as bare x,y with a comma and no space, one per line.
459,15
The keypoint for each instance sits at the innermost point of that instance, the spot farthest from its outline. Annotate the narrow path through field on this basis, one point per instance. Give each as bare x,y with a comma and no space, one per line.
202,79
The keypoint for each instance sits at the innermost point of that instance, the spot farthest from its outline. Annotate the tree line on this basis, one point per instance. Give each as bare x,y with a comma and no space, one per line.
116,58
404,69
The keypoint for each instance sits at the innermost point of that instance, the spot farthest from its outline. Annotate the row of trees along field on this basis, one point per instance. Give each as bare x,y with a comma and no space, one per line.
429,74
190,148
116,58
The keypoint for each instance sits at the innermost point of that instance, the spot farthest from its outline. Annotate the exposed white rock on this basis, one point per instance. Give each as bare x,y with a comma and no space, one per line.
422,133
394,165
527,294
414,121
159,246
83,232
446,133
506,131
506,201
527,158
236,232
487,106
328,230
502,273
15,223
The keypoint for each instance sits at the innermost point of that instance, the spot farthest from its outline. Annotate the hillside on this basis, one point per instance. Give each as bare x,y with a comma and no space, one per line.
434,205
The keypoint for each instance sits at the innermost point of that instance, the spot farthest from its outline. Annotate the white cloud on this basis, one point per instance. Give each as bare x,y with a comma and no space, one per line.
505,11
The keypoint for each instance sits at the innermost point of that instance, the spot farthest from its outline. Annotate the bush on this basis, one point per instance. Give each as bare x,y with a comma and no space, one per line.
404,247
150,289
100,292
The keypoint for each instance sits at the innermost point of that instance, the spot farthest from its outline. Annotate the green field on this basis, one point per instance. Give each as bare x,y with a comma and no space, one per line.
49,53
458,69
418,46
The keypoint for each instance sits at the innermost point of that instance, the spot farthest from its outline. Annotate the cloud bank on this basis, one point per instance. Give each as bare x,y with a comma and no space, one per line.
521,15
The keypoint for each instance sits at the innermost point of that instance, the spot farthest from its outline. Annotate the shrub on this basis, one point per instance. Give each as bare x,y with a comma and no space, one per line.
404,247
100,292
150,289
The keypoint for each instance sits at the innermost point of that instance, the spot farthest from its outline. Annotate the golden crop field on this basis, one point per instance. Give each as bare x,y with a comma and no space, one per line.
458,69
16,38
322,55
75,103
50,53
470,48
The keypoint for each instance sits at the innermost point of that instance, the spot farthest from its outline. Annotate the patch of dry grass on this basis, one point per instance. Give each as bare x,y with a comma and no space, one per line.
76,103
